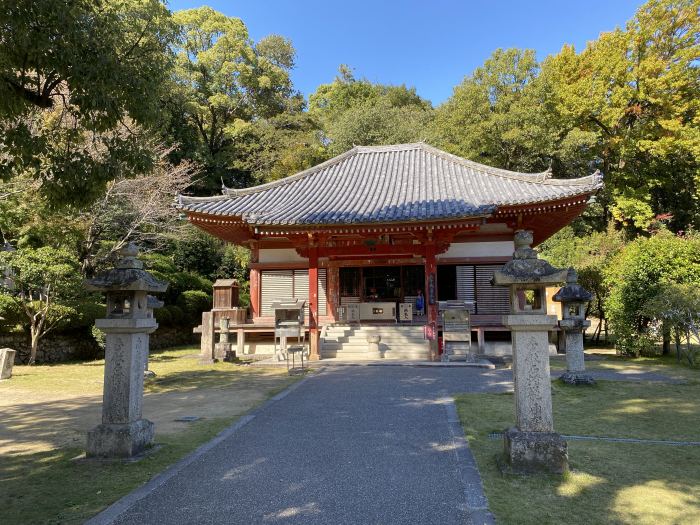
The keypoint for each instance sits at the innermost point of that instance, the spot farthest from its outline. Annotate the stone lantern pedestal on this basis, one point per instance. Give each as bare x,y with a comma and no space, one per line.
532,445
123,432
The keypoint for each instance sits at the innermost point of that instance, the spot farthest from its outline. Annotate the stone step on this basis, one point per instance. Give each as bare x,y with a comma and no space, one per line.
351,356
402,329
363,348
387,340
365,334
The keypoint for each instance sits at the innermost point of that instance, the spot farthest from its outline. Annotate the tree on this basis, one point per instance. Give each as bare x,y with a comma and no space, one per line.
630,99
677,307
638,273
44,283
198,252
225,81
75,76
136,209
357,112
498,115
282,145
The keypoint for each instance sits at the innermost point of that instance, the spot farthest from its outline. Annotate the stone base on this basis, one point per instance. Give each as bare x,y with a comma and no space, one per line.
531,452
119,441
221,350
577,378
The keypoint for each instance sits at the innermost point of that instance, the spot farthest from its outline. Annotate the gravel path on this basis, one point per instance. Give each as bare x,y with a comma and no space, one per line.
349,445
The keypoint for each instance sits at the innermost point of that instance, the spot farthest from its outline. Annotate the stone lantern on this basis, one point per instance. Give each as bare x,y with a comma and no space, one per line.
123,432
532,445
574,298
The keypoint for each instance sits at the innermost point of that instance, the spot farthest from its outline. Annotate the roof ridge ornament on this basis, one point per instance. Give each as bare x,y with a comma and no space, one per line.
598,177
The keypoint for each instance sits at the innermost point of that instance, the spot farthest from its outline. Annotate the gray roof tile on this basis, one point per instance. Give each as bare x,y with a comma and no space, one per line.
400,183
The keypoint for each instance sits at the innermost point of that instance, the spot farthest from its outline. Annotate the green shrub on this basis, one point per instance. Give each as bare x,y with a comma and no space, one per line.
177,316
163,316
193,303
198,252
84,315
637,274
180,282
10,311
99,336
157,262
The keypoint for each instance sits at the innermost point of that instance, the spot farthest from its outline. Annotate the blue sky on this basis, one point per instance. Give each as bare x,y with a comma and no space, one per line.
428,45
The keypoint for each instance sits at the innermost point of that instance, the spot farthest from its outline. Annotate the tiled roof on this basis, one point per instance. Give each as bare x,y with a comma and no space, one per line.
376,184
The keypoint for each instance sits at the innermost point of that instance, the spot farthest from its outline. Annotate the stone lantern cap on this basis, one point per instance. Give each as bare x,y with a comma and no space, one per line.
525,267
127,275
572,292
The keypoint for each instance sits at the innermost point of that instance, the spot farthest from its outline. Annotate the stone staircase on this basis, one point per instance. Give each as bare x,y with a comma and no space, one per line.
349,342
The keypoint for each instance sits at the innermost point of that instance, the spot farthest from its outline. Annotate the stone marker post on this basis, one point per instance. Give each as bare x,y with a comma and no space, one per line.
208,343
532,445
123,432
573,298
7,361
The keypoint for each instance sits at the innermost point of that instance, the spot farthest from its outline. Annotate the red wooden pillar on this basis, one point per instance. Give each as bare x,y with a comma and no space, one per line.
431,294
255,292
313,301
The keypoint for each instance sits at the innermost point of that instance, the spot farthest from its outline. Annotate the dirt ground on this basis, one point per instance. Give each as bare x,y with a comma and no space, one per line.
34,419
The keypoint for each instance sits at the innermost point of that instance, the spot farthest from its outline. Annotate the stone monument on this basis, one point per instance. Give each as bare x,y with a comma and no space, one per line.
532,445
573,298
123,432
223,350
7,361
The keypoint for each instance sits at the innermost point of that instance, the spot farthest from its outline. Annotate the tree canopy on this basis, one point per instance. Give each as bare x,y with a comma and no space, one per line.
76,78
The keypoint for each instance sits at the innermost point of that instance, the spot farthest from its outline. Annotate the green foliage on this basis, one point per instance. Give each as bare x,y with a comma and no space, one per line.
40,272
633,96
358,112
11,313
235,263
677,308
627,104
163,316
589,255
224,81
46,284
99,337
162,267
276,147
638,274
193,303
177,315
198,252
86,311
496,115
71,74
158,262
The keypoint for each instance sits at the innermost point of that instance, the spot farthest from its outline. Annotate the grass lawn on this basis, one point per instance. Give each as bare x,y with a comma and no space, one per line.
609,482
47,410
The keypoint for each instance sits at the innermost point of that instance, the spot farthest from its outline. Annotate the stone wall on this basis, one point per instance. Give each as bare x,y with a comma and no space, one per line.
58,348
54,348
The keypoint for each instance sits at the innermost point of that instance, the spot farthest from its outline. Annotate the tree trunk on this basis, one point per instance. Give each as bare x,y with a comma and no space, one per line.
666,333
35,345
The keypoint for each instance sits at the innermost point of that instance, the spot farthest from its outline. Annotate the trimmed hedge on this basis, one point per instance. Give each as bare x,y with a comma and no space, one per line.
193,303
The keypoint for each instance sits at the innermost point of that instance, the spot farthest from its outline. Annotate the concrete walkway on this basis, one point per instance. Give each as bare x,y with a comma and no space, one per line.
348,445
